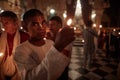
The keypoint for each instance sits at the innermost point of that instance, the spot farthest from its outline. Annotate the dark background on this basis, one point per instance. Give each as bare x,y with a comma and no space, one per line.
114,13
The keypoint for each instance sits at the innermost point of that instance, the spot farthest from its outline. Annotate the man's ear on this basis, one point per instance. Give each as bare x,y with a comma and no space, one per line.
17,23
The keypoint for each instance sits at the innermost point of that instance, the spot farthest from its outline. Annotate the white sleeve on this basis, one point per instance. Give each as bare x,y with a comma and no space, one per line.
50,68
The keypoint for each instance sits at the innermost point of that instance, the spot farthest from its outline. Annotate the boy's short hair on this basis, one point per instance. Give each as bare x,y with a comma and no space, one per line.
56,18
9,14
89,23
31,13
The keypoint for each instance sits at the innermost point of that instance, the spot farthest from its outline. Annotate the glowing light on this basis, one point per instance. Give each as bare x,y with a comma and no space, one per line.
114,29
2,29
21,27
119,33
1,11
100,26
52,11
44,39
1,54
69,22
75,28
64,14
83,41
93,15
78,9
94,25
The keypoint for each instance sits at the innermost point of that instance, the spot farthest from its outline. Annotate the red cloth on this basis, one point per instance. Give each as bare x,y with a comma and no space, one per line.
10,39
23,37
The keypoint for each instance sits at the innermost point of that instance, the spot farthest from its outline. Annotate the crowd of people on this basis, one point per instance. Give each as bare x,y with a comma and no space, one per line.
9,40
40,54
109,42
28,55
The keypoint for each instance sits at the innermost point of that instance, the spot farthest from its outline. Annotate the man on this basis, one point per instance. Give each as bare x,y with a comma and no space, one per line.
9,40
55,24
89,45
40,59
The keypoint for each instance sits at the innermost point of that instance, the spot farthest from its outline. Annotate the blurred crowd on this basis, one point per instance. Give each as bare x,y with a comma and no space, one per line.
109,41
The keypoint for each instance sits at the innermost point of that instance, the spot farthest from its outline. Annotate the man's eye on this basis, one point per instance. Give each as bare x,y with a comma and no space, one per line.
35,23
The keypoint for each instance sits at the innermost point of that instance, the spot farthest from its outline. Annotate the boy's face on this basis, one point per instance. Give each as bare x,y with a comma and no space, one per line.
9,24
35,28
54,26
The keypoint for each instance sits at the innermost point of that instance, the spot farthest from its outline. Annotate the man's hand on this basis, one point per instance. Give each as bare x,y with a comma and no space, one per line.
64,37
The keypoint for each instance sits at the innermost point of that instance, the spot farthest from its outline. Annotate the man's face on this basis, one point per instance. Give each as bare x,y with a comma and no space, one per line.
35,28
9,24
54,26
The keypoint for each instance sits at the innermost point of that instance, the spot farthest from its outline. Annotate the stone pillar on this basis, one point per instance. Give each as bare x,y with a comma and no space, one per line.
70,6
99,11
99,6
86,10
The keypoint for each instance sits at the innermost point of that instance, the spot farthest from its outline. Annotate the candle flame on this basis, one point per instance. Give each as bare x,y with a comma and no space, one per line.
69,22
1,54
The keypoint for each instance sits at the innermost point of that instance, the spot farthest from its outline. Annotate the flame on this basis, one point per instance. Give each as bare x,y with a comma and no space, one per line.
1,54
69,22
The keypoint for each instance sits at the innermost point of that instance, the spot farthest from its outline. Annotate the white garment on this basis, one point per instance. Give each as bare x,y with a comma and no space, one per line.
34,64
89,45
8,65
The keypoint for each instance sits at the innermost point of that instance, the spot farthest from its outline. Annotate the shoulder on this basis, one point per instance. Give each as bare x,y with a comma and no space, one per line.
22,53
49,41
23,45
24,36
23,48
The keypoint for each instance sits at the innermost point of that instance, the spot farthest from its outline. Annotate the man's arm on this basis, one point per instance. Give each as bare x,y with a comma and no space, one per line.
50,68
54,63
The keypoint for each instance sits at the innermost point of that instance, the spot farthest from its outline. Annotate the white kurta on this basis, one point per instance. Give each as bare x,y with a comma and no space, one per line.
40,63
89,45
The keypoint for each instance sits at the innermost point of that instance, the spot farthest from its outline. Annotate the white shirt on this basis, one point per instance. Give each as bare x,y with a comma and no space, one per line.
40,63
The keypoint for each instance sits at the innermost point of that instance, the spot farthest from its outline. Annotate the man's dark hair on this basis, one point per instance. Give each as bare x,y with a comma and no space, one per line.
31,13
9,14
56,18
89,23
